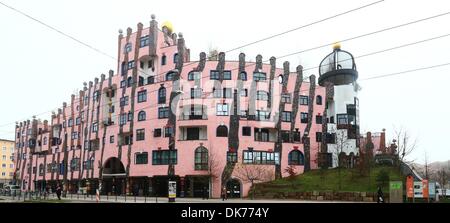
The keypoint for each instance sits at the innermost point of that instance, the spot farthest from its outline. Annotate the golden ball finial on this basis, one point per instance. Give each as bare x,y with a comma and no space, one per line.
168,25
337,46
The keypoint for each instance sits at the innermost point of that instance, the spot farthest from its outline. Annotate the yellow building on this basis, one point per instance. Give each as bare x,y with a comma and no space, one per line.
6,161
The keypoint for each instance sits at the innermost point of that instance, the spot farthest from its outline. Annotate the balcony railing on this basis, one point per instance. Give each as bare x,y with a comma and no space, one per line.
193,117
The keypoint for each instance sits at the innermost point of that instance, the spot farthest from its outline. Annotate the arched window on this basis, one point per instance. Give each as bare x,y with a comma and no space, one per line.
162,95
222,131
163,60
319,100
296,158
170,75
141,116
201,158
176,57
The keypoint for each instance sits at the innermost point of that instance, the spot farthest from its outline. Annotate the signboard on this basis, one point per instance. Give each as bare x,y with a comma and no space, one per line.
172,190
418,189
409,186
396,192
432,189
425,189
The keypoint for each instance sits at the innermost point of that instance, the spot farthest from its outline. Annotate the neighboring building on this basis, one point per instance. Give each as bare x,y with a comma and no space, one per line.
6,161
338,75
164,117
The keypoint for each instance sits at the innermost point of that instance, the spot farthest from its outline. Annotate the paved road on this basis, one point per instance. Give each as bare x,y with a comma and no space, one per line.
121,199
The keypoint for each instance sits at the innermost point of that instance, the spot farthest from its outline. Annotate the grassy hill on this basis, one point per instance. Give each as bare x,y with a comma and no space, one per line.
328,180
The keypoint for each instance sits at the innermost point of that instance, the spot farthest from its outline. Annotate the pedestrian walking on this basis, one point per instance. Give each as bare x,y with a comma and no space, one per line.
224,193
380,197
58,192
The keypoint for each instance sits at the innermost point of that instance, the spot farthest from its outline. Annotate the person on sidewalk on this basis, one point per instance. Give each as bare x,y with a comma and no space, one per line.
224,193
58,192
380,197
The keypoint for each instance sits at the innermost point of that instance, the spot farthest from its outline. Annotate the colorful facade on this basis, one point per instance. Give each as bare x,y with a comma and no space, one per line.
6,161
164,117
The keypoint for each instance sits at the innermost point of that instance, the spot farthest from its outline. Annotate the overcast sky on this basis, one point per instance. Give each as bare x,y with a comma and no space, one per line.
40,68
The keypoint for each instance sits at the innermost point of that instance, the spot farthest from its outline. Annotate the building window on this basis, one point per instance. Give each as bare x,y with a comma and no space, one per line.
123,101
111,139
95,127
77,121
201,158
170,76
157,133
262,115
196,93
75,135
285,136
163,60
176,57
75,164
318,137
144,41
124,68
131,64
244,113
296,136
227,75
162,95
214,75
319,119
194,75
222,109
168,132
128,47
342,119
151,80
286,116
246,131
70,123
45,141
286,98
130,116
123,119
243,76
41,170
296,158
303,100
260,157
232,157
222,131
142,96
141,116
140,134
258,76
130,81
163,112
319,100
123,83
164,157
304,117
262,95
261,135
141,158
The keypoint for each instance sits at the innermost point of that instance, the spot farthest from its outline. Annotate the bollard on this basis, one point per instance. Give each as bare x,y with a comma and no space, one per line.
116,197
134,199
145,199
125,198
106,196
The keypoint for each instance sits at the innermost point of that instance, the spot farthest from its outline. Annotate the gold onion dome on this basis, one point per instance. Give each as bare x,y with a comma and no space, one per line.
168,25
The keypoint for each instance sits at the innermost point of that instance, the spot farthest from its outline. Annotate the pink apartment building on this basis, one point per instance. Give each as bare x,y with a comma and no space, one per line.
163,116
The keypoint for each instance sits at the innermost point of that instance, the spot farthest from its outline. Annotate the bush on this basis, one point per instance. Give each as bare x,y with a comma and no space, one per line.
383,177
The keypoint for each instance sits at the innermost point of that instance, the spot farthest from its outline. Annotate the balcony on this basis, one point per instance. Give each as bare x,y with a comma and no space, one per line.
193,112
193,133
193,117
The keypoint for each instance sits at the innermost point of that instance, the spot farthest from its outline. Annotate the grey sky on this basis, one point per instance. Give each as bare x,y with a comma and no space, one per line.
41,68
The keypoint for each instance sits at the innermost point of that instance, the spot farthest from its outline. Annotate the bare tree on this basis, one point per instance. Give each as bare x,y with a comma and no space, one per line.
405,143
442,177
254,174
426,167
341,141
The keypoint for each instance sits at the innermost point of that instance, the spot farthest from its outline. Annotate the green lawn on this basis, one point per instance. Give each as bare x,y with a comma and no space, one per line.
328,180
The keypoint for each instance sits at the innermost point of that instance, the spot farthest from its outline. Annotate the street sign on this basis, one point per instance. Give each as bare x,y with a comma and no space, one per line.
396,192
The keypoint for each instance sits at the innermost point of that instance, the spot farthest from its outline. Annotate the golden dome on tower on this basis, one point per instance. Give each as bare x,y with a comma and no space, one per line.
337,46
168,25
